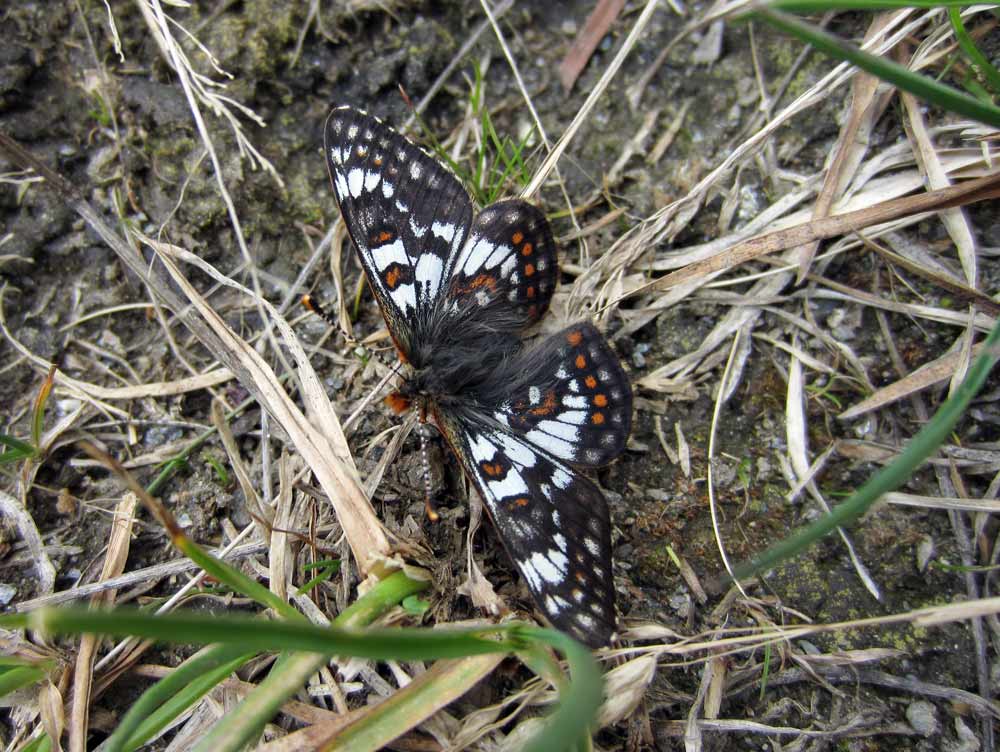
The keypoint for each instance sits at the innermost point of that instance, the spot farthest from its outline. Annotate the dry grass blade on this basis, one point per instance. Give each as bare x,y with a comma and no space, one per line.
598,24
798,455
262,517
16,516
937,177
407,708
327,460
542,173
114,565
851,143
929,374
981,189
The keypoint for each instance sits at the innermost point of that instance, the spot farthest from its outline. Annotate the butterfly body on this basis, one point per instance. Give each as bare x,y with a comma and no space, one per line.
457,291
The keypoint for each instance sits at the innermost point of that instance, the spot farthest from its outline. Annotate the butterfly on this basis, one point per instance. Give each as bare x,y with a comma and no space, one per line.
457,290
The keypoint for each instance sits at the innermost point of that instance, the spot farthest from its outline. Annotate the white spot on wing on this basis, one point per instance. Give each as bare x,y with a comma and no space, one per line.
340,185
482,448
500,253
371,180
508,266
516,451
576,417
512,485
355,179
559,430
561,478
544,569
474,255
549,443
444,230
352,132
387,189
592,546
574,401
585,621
404,296
428,273
392,253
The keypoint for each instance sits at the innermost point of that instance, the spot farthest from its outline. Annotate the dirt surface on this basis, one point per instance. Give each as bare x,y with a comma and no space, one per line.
121,131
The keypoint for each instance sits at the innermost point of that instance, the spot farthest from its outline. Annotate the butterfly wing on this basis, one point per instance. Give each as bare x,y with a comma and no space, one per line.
553,522
407,214
568,396
509,261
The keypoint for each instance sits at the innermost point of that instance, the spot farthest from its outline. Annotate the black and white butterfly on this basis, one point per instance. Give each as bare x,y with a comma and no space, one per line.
456,291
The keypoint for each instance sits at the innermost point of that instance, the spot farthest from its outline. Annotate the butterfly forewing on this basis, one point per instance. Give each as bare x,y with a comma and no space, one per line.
407,214
510,258
553,522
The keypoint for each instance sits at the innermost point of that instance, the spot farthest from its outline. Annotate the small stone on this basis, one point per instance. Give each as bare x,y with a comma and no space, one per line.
922,716
925,552
7,593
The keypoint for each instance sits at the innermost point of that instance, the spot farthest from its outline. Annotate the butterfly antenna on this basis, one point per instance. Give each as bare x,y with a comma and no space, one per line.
309,302
432,514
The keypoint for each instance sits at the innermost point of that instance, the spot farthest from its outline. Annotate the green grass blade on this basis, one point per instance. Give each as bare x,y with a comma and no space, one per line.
255,634
927,440
920,86
579,704
235,579
968,46
15,449
168,698
16,678
243,724
822,6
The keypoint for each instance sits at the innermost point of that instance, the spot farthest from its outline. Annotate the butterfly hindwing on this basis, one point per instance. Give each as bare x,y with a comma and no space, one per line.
407,214
570,397
510,257
553,522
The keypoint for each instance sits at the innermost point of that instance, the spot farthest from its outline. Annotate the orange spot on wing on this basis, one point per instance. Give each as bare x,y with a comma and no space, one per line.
600,400
590,381
527,250
480,280
492,469
385,236
529,270
517,237
547,407
521,502
597,419
377,161
581,362
392,278
397,403
531,291
575,337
